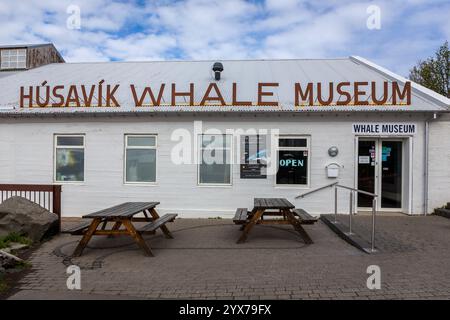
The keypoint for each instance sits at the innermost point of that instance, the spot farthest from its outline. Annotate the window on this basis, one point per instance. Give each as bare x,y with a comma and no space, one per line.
253,157
140,158
215,159
69,158
13,58
293,164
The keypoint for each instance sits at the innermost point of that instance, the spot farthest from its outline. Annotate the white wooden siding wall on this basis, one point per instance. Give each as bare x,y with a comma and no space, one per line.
439,163
26,156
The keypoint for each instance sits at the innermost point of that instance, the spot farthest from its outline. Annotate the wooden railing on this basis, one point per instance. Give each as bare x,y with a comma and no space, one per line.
47,196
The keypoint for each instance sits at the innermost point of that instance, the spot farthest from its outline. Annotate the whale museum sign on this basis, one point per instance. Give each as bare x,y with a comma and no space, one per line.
309,94
388,128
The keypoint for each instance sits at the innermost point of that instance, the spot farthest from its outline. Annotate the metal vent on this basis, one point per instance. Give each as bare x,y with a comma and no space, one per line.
217,68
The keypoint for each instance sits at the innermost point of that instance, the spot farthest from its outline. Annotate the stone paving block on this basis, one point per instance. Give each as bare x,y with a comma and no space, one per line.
203,261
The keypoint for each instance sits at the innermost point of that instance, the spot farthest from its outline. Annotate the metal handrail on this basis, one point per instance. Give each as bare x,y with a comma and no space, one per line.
315,190
374,206
357,190
352,190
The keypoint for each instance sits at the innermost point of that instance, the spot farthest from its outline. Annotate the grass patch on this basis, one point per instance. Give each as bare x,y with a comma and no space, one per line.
23,265
14,237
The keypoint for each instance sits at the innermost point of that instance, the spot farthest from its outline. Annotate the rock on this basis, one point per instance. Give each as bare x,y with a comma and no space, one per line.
14,247
27,218
8,260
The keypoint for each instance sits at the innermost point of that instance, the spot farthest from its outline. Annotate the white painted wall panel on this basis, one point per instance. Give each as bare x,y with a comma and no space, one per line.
27,157
439,163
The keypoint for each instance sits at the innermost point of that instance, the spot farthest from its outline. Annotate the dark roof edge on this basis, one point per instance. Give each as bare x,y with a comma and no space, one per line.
147,113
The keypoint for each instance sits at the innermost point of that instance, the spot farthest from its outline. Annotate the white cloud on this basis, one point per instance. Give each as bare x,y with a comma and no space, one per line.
84,54
217,29
139,47
204,28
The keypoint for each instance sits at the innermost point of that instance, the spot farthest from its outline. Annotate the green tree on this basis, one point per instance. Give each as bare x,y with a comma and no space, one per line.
434,73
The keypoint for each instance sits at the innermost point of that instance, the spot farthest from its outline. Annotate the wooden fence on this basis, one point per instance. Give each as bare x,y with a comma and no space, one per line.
47,196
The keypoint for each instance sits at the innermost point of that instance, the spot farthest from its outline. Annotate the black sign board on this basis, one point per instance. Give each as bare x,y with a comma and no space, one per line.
253,157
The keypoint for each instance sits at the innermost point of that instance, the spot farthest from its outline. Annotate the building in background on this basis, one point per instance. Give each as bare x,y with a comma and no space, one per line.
111,132
16,58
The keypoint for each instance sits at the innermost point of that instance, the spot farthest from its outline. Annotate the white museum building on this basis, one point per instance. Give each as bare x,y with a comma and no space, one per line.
206,137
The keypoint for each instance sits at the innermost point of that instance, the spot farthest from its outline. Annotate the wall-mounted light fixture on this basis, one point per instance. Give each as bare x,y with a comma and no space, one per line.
333,151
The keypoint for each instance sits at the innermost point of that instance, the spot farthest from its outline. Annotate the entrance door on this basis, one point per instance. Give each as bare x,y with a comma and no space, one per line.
366,171
391,174
380,164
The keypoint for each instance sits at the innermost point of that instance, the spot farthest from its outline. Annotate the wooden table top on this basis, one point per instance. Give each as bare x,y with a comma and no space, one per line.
123,210
272,203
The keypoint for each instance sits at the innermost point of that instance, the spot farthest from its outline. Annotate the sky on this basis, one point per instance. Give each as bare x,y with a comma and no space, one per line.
400,32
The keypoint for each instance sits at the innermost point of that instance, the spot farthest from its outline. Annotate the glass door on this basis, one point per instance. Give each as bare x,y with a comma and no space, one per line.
391,174
380,171
366,171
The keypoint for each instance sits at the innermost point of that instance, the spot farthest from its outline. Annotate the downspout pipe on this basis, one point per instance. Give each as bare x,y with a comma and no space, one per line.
426,167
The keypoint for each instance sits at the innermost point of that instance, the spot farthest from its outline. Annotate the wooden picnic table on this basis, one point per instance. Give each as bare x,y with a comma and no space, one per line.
264,207
123,215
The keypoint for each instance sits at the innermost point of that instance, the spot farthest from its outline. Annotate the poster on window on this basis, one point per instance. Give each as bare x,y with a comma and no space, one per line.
253,157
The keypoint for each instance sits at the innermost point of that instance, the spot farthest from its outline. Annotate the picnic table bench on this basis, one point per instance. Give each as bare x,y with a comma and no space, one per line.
123,215
281,207
304,217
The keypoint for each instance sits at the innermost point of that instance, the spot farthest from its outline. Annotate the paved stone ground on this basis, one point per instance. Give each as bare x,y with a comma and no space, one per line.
204,262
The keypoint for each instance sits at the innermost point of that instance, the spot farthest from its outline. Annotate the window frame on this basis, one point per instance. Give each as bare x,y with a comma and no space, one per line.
5,57
56,146
307,148
201,148
140,183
